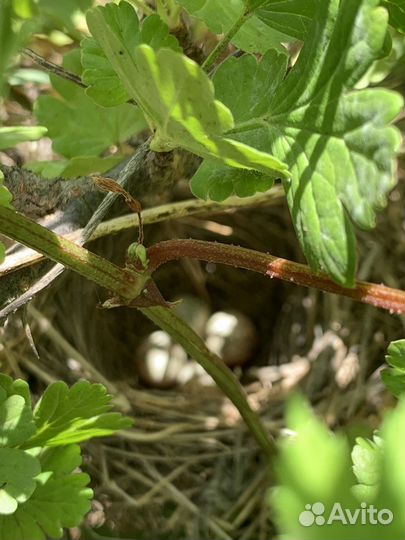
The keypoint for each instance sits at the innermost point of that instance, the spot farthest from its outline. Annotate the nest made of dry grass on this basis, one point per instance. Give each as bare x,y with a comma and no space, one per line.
189,469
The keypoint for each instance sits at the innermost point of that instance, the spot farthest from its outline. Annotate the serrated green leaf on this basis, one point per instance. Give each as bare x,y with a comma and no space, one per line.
10,136
396,11
61,498
80,129
219,16
337,142
17,478
394,376
69,415
104,85
177,97
247,87
366,457
16,420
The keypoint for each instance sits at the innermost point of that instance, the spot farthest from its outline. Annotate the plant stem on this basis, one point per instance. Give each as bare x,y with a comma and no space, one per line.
54,68
128,285
166,319
223,44
380,296
123,282
173,210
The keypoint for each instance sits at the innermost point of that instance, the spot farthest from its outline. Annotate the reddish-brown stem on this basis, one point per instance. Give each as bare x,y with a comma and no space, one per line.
380,296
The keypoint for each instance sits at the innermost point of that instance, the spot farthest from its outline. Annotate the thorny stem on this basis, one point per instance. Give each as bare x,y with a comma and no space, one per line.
223,44
129,285
380,296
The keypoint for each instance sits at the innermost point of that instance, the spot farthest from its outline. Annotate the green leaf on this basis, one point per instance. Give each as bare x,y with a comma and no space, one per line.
337,142
313,472
218,182
61,498
17,483
104,85
313,467
292,17
17,387
177,97
62,14
219,16
367,456
392,489
69,415
16,420
13,35
394,376
10,136
248,95
396,11
81,129
5,195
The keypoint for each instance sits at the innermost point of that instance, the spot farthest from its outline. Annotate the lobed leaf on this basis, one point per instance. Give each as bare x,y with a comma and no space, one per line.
313,473
394,376
16,419
69,415
104,85
81,130
61,497
177,97
366,457
17,478
337,142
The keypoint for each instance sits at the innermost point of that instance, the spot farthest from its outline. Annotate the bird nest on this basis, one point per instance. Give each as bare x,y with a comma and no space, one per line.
189,468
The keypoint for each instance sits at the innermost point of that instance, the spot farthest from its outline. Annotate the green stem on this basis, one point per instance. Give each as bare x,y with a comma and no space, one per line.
166,319
123,282
223,44
128,285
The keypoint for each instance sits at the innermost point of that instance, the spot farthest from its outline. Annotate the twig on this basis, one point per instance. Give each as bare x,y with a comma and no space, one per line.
380,296
54,68
58,70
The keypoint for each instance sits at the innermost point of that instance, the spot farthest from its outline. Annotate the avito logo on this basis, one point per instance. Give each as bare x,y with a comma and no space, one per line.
366,514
